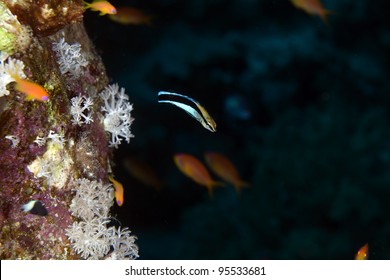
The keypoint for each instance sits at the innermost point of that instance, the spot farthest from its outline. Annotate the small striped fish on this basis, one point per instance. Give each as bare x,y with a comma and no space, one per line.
190,106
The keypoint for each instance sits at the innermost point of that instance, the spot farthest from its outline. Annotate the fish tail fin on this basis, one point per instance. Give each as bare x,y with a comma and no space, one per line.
217,184
18,80
157,185
15,77
212,185
210,191
240,185
19,88
149,21
324,15
86,5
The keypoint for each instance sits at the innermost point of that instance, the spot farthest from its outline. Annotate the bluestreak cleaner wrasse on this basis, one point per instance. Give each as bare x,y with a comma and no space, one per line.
190,106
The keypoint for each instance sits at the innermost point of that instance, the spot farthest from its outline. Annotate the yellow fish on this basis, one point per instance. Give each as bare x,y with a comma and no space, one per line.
312,7
225,169
104,7
118,190
32,90
194,169
362,254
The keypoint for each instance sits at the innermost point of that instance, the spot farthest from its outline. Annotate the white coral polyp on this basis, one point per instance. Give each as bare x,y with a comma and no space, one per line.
123,245
117,118
70,58
92,199
90,237
81,110
9,67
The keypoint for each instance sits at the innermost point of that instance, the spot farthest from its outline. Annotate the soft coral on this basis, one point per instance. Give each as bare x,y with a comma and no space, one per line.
117,118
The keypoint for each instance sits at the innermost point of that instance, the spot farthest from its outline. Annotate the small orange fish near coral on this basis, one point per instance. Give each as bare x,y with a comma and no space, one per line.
32,90
194,169
225,169
362,254
129,15
118,190
104,7
312,7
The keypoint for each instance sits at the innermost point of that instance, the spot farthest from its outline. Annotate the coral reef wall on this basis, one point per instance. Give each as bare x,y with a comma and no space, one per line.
48,148
300,101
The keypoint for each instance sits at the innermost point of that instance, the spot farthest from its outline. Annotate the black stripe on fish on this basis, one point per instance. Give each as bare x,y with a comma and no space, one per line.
190,106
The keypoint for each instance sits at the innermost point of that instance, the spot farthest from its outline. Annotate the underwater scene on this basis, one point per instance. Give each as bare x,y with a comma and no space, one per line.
260,129
301,105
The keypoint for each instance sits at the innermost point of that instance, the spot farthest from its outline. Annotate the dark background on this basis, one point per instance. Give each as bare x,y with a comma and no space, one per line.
308,128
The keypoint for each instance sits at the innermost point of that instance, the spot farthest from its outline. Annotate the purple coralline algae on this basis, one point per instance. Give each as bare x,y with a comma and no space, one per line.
44,155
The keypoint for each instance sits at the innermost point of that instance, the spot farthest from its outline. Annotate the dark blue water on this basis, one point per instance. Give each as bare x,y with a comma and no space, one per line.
314,145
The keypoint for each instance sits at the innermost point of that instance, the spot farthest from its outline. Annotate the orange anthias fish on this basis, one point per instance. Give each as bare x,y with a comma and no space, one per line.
104,7
312,7
118,190
32,90
194,169
225,169
362,254
129,15
142,172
